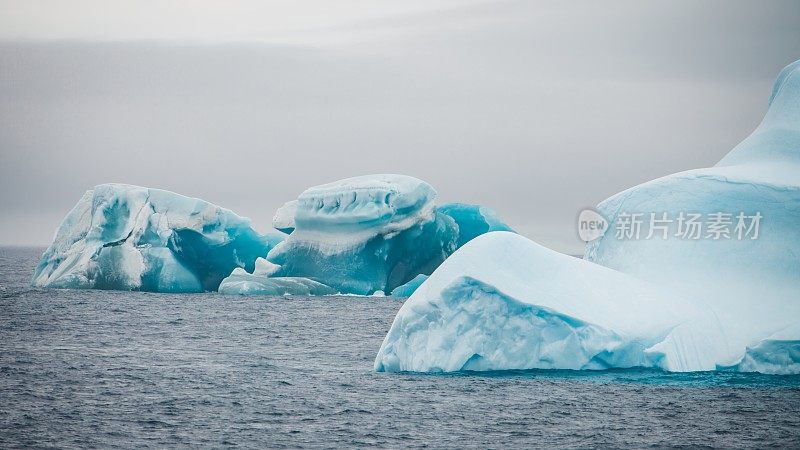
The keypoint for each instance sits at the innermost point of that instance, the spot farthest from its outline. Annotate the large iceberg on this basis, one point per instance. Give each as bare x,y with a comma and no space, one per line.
134,238
742,256
698,270
363,235
505,302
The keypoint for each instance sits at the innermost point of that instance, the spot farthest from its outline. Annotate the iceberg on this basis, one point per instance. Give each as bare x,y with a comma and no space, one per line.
134,238
503,302
743,259
711,282
366,234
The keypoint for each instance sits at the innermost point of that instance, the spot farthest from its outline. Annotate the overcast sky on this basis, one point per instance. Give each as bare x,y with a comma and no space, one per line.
535,109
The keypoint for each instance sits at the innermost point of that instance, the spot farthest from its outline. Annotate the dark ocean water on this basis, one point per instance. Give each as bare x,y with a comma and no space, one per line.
105,369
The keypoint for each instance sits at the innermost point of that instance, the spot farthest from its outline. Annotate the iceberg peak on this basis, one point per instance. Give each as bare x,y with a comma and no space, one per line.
777,139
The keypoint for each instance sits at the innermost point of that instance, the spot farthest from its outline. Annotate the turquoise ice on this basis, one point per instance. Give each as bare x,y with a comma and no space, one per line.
366,234
407,289
134,238
472,220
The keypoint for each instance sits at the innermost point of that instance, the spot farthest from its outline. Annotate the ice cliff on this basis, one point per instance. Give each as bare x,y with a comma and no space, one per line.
134,238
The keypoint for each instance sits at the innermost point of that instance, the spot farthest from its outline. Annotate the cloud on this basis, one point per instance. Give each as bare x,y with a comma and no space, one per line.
536,111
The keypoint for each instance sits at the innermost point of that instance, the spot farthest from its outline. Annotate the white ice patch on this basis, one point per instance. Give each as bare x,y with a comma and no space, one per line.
340,216
284,217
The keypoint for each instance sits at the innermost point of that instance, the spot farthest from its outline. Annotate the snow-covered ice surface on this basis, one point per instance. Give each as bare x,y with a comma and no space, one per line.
367,234
678,303
505,302
753,285
134,238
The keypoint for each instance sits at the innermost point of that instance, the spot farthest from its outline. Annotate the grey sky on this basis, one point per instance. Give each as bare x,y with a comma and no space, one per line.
534,109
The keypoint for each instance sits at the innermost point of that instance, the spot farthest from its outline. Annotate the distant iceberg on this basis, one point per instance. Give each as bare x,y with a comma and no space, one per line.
359,236
676,297
242,283
777,354
134,238
365,234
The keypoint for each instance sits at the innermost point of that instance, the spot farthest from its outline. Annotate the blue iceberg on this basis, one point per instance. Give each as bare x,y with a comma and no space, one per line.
361,235
134,238
366,234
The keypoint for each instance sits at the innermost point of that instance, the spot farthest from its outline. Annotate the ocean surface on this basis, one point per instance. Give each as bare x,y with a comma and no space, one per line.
83,369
